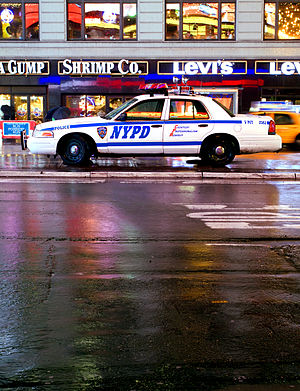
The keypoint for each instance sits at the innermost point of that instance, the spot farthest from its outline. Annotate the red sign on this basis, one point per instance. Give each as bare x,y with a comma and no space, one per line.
12,129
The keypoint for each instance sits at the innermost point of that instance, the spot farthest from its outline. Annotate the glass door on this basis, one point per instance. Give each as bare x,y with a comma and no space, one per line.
29,107
37,108
5,106
21,108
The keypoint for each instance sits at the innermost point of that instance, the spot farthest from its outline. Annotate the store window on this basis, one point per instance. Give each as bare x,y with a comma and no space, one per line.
282,20
85,105
22,107
200,20
92,105
19,20
102,20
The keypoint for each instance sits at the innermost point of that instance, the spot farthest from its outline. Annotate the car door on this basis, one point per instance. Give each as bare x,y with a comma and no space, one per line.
286,127
188,123
139,130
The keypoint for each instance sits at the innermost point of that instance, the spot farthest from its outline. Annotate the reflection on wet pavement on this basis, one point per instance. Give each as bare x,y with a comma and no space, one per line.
12,157
111,287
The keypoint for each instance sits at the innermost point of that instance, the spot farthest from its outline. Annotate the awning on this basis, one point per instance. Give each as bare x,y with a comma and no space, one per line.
31,14
74,13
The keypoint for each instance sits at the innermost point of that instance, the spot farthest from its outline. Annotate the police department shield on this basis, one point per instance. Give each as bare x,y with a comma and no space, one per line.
102,130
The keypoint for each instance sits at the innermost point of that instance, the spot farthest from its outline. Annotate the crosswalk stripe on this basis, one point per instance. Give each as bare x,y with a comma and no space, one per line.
223,216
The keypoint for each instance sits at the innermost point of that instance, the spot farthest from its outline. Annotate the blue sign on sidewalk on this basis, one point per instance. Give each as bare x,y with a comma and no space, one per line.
13,129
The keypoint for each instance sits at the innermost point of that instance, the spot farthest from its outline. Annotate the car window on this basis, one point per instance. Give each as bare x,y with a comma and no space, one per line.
283,119
228,111
187,109
117,110
147,110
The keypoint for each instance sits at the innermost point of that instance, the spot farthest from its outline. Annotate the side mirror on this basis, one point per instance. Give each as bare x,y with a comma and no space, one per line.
122,117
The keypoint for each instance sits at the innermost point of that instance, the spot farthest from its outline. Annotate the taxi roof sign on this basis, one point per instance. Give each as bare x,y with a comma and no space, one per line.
272,106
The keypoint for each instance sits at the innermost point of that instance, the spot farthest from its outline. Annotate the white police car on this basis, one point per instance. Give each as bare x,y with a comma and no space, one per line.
158,124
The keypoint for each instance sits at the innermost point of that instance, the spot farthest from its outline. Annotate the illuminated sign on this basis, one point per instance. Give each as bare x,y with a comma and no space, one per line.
109,17
277,68
218,67
94,68
128,68
25,68
7,15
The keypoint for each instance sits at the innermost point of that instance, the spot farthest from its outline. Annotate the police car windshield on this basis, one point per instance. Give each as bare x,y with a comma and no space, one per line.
117,110
225,108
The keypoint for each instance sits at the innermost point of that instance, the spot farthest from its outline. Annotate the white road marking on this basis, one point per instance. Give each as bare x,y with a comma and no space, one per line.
254,218
222,216
206,206
238,244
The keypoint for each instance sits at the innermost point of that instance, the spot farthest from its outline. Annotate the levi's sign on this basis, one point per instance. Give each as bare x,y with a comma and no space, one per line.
92,68
218,67
286,68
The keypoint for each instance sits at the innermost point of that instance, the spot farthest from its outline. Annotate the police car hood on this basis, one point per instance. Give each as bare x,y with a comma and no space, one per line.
64,123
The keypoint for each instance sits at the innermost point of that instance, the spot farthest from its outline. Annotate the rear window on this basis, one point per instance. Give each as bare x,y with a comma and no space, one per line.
225,108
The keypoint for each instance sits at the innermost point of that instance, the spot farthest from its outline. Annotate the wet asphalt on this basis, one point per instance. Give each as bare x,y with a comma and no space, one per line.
100,291
283,165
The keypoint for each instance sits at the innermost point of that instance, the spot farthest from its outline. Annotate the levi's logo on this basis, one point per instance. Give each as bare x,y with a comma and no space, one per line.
130,131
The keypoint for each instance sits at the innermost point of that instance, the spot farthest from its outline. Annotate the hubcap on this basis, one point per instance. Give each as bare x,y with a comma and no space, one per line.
220,150
74,150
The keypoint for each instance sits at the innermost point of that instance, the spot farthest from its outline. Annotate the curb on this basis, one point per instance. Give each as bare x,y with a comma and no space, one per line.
152,175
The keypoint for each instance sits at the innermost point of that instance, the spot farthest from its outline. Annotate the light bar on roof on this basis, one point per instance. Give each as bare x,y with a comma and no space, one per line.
154,86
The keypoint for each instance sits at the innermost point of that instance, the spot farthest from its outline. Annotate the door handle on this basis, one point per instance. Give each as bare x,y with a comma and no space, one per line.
156,126
202,125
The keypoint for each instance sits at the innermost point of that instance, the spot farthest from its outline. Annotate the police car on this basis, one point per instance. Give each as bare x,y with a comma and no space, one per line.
158,123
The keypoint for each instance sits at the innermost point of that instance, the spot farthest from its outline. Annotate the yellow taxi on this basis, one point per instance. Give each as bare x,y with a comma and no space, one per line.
287,125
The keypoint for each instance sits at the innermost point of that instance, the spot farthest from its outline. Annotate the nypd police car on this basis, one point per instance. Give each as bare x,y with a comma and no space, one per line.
158,124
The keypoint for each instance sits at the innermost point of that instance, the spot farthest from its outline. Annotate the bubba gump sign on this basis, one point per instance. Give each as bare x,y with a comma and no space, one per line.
24,68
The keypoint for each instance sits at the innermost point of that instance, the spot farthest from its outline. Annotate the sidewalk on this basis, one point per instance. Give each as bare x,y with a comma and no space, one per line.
285,165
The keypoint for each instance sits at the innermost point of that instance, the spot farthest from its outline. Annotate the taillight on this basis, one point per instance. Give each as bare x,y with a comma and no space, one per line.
272,128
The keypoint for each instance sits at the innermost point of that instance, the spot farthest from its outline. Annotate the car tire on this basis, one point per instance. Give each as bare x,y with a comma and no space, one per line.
75,151
218,151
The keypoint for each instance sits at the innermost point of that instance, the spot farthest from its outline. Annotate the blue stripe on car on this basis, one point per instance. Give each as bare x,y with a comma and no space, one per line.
147,144
95,124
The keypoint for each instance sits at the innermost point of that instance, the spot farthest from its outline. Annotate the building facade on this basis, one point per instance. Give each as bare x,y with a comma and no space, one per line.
90,55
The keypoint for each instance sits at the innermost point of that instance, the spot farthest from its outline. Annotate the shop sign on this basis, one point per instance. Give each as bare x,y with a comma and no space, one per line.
24,68
218,67
94,68
285,68
12,129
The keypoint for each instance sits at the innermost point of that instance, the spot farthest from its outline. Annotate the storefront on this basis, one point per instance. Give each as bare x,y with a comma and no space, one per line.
90,87
21,95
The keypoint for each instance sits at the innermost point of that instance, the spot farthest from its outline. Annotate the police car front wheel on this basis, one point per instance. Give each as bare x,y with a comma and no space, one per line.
75,151
218,151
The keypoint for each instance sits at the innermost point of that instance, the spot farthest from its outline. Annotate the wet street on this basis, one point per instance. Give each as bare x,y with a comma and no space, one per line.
13,158
148,285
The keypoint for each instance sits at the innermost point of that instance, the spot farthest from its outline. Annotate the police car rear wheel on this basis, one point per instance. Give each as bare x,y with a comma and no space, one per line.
75,151
218,151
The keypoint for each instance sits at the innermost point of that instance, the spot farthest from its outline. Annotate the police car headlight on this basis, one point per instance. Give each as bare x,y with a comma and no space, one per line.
42,133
